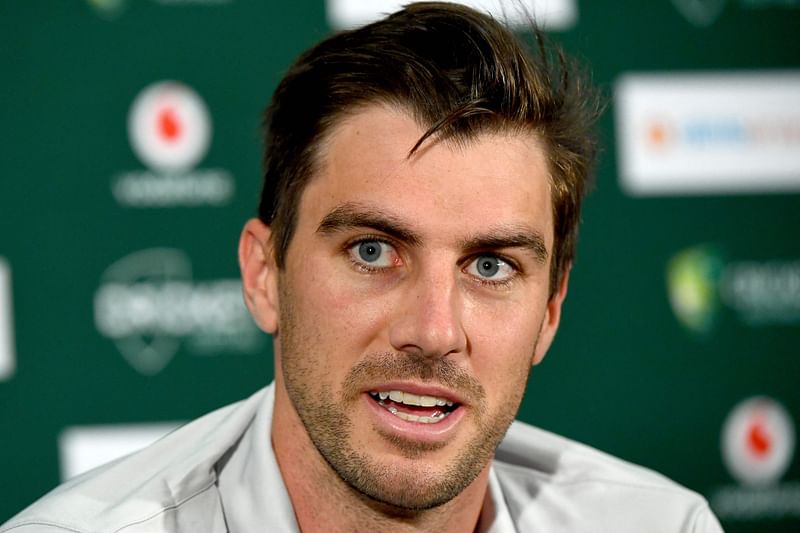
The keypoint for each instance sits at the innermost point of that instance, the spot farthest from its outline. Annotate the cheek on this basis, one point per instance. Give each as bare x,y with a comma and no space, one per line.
503,340
339,308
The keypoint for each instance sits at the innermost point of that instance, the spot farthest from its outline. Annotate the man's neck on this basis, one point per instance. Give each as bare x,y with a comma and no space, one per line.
322,501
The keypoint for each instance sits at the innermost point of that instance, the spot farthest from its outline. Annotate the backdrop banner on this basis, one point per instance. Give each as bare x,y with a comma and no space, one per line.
130,159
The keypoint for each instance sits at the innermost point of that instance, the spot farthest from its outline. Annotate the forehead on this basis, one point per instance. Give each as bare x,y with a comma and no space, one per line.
497,178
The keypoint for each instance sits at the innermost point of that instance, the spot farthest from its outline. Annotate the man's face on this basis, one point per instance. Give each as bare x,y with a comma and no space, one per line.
413,302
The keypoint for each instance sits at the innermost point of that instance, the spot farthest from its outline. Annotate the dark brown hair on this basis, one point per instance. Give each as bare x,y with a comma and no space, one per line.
459,73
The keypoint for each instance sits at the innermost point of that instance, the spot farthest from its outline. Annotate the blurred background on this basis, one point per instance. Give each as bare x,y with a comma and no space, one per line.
129,161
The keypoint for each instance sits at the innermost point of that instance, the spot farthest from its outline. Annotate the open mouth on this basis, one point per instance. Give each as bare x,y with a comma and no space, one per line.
415,407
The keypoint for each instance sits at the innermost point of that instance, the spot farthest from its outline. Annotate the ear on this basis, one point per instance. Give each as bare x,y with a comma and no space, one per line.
259,274
552,316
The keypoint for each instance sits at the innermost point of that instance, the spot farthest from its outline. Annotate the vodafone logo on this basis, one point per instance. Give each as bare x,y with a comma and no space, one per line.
758,441
169,127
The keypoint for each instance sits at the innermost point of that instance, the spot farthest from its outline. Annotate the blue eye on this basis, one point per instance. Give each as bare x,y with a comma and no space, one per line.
373,254
491,268
369,251
487,266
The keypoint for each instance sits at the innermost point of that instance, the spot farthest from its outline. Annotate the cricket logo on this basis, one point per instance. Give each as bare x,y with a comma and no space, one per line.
701,13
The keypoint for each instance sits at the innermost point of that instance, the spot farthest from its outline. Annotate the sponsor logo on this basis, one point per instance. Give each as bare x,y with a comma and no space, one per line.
7,355
701,13
111,9
553,14
701,282
82,448
763,292
757,444
704,13
758,441
192,2
149,306
169,128
708,134
692,281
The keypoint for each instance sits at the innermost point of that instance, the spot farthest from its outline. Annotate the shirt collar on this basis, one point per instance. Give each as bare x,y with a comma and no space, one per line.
250,484
495,515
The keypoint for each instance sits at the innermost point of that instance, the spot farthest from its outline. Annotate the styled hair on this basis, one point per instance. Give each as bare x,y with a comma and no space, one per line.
459,73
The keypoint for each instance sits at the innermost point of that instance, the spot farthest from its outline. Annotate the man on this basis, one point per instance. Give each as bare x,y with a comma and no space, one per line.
423,184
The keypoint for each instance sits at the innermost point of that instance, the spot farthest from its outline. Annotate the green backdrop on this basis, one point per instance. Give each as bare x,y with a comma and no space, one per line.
626,374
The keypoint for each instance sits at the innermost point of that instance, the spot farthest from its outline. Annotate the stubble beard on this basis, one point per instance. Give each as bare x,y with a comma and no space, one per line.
421,486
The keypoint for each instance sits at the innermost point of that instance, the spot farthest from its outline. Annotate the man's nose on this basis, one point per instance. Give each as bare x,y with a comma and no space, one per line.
429,320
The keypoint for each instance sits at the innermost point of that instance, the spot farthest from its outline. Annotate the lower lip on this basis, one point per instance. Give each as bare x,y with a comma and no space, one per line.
415,431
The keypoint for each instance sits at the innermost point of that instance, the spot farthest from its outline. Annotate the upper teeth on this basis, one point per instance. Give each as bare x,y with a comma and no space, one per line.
412,399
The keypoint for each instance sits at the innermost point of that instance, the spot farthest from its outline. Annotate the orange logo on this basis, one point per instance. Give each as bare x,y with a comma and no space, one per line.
659,134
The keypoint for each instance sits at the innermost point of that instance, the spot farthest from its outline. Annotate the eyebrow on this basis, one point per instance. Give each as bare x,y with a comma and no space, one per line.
355,215
509,237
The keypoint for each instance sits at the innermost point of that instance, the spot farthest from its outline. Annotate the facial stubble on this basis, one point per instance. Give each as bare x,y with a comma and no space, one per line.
421,485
